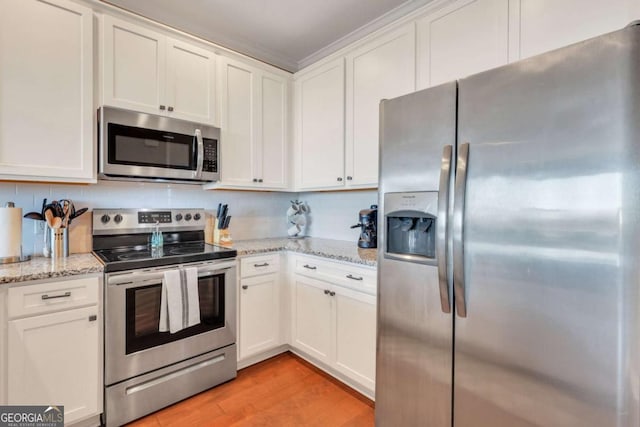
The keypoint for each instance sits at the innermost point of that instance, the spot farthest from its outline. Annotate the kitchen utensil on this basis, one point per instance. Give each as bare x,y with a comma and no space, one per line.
76,214
66,207
48,215
34,215
227,220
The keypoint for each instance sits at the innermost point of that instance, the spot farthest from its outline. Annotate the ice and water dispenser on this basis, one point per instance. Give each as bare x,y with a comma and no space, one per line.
410,225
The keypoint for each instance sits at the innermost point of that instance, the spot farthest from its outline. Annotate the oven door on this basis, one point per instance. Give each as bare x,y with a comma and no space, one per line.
133,343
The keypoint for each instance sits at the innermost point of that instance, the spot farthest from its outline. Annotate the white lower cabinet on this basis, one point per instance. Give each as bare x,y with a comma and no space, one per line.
312,318
260,304
54,355
334,319
259,315
355,335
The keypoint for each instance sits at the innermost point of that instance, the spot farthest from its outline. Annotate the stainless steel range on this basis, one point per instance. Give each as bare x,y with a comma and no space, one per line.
146,369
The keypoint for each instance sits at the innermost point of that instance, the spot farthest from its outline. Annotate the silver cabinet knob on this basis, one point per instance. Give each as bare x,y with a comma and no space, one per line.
339,179
162,107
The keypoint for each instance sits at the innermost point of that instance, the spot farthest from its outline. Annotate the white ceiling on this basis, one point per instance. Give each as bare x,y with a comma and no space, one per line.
289,34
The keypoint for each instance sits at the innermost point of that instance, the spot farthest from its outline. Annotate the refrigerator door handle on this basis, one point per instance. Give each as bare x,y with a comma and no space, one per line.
458,230
441,231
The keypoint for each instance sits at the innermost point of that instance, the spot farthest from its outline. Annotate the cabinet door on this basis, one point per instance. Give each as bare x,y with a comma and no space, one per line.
464,38
133,67
312,318
355,335
383,68
191,82
550,24
259,314
272,149
46,91
320,127
55,359
238,123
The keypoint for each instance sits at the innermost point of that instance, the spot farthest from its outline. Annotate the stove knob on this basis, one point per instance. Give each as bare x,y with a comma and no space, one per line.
187,217
105,218
197,217
117,218
178,217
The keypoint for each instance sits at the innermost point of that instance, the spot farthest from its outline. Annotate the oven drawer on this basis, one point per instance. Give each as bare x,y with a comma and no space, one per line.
148,393
31,300
257,265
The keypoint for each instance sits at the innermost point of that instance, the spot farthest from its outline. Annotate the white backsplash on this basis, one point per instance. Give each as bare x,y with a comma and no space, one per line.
333,213
255,214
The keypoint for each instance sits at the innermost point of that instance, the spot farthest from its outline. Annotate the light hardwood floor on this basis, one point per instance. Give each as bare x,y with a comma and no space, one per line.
282,391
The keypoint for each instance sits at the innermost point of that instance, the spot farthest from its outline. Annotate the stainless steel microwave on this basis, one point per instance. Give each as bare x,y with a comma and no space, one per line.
139,146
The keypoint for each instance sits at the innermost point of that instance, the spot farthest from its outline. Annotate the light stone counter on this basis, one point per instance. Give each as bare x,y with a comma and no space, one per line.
45,268
333,249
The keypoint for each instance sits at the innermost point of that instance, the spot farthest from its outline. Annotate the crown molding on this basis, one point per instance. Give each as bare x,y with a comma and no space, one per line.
388,18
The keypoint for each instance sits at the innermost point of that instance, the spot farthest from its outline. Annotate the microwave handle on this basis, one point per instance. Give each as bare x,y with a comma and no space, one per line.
200,158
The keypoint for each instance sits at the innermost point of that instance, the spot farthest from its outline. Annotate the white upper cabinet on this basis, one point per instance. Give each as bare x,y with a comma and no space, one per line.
191,84
319,99
254,127
549,24
463,38
381,69
46,91
146,71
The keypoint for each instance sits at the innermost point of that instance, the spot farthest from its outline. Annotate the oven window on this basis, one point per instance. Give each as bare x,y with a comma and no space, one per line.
148,147
143,314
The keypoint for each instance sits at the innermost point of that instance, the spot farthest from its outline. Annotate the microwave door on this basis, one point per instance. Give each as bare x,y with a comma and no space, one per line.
151,153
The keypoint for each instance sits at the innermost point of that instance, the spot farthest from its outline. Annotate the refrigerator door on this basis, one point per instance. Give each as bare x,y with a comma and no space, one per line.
414,359
550,240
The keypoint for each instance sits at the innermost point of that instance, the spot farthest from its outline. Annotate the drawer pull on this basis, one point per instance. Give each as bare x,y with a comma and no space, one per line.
245,286
93,318
332,293
310,267
65,295
266,264
349,276
326,291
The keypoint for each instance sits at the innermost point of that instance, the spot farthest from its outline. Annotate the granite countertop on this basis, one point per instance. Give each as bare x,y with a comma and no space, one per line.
47,268
333,249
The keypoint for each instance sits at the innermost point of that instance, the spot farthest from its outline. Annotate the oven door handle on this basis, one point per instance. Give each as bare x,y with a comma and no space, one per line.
146,276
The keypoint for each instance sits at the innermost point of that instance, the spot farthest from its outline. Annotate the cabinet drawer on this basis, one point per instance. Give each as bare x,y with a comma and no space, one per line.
42,298
256,265
349,275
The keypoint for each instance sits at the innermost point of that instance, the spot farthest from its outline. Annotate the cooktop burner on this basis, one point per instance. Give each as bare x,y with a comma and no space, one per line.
121,241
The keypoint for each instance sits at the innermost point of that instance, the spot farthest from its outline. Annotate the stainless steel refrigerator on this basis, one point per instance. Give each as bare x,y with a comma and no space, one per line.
509,245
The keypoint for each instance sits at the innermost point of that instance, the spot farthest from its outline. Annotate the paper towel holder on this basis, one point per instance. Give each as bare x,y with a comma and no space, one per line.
14,259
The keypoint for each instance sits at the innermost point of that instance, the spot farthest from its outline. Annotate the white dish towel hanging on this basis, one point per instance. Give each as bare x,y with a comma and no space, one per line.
179,300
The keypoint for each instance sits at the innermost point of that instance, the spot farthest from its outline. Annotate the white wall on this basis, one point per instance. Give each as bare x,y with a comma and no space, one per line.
255,214
332,213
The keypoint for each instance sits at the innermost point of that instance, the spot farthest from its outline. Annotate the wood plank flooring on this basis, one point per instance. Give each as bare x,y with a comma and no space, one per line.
282,391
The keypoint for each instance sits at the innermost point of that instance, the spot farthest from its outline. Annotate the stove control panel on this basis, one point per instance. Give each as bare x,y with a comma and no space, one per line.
126,221
151,217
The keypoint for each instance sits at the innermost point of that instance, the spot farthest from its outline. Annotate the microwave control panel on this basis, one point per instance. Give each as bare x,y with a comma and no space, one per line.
210,161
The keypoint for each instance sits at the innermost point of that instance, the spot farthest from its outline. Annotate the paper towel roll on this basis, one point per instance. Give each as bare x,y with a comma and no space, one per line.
10,232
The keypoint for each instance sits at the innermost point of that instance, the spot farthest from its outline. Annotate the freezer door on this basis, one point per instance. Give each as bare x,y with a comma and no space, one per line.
550,240
414,357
